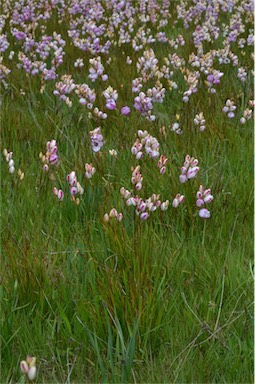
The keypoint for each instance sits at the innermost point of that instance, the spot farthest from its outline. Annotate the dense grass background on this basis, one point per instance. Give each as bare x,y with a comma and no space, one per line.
167,300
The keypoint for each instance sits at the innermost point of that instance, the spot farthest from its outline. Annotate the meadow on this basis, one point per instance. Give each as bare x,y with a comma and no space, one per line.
126,191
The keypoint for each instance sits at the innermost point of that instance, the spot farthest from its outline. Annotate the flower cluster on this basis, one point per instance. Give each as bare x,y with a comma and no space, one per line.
203,197
65,87
86,95
28,367
59,193
163,160
189,169
111,95
100,114
148,142
229,108
213,79
113,153
144,208
200,121
96,139
75,187
113,214
89,171
179,199
242,74
136,178
144,105
246,115
51,156
191,79
96,69
9,159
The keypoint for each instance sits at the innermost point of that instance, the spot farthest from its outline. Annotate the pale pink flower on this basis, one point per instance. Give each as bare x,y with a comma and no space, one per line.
204,213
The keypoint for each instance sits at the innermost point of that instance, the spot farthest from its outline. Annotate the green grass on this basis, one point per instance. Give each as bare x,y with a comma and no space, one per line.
167,300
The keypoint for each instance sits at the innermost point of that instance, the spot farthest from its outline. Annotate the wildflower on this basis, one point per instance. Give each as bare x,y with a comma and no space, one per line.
96,139
113,214
125,193
90,171
229,109
189,169
204,196
164,205
79,63
51,156
178,200
246,115
111,95
176,128
113,152
204,213
144,216
59,193
75,187
163,160
28,367
137,178
20,174
125,110
200,121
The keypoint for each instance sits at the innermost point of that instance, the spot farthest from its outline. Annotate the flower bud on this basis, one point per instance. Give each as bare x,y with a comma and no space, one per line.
134,150
139,155
11,169
106,217
60,195
175,203
144,216
164,206
142,206
32,373
80,189
183,178
162,170
181,199
120,216
24,366
113,213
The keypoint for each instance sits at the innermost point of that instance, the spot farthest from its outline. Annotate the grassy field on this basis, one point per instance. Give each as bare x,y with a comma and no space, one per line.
166,300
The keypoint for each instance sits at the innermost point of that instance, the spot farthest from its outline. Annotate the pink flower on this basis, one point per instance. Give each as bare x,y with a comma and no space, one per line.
53,159
183,178
204,213
73,191
125,110
29,367
60,195
144,216
110,104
